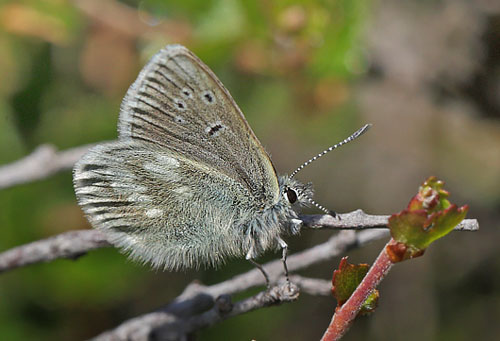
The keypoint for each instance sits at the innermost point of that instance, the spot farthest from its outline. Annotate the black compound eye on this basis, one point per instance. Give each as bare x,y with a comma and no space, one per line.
291,195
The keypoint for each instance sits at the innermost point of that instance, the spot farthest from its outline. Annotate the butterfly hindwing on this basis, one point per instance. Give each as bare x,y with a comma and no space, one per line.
146,201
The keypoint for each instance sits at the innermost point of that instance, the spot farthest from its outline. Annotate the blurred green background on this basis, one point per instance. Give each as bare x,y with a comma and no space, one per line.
306,74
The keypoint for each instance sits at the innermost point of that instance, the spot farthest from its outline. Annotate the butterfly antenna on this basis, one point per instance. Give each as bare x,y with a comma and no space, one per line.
315,204
354,136
322,208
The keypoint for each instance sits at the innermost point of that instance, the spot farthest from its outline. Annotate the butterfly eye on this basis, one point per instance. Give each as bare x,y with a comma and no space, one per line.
291,195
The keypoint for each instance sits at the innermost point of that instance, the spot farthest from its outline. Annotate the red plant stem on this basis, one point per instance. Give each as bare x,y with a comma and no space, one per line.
345,315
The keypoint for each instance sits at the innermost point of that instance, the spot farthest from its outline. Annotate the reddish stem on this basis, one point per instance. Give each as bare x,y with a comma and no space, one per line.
345,315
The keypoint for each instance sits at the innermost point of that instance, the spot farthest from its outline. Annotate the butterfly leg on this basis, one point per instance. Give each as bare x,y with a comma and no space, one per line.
261,268
251,258
284,249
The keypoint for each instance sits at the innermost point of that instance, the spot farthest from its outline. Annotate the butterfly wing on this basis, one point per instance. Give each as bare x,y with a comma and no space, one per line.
179,104
161,207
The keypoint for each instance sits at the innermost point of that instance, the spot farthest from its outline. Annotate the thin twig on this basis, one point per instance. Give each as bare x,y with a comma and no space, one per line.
275,296
312,286
165,326
42,163
75,243
71,245
359,220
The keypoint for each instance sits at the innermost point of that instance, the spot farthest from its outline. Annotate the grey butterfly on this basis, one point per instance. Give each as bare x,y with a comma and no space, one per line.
187,183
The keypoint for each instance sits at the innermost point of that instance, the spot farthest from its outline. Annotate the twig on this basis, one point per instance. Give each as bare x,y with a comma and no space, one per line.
170,327
275,296
75,243
312,286
71,244
42,163
359,220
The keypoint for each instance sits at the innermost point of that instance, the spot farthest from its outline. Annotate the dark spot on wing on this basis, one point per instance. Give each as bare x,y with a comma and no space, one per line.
208,97
215,129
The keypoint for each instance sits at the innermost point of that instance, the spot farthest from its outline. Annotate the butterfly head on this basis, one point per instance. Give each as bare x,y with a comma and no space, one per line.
293,192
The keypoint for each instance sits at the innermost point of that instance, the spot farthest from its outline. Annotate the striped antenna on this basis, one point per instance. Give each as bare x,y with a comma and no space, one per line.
354,136
315,204
322,208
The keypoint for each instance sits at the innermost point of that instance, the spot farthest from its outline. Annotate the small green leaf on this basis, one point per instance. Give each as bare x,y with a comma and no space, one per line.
443,222
346,279
428,217
370,304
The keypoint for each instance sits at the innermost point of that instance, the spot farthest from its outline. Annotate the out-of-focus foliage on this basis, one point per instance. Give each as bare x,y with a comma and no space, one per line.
306,74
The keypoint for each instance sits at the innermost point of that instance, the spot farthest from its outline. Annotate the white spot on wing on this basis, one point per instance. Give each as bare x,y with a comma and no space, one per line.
85,190
128,186
152,167
183,190
163,171
154,213
167,161
136,197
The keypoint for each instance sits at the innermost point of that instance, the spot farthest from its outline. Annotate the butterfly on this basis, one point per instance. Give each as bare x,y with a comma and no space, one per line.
187,183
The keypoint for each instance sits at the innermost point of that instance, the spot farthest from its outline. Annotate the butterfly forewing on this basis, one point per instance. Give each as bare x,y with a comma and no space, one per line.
178,104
